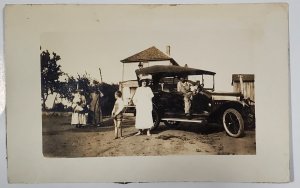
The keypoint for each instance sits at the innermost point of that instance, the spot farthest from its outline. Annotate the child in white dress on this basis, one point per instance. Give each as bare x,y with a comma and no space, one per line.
79,116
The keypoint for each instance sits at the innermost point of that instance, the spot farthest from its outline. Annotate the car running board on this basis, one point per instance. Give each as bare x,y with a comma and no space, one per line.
185,120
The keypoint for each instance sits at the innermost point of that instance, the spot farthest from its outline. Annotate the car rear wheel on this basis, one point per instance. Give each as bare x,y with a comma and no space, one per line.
233,122
171,124
156,119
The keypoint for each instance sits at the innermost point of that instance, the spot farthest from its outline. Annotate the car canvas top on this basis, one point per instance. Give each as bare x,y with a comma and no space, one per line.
171,70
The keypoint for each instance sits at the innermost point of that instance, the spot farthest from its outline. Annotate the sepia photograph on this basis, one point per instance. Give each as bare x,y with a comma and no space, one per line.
158,90
147,93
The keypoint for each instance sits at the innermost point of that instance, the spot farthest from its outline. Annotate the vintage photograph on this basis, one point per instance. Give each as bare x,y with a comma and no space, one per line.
179,92
156,91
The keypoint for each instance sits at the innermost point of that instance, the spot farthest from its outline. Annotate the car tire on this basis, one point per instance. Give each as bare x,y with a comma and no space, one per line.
250,121
156,119
233,122
171,124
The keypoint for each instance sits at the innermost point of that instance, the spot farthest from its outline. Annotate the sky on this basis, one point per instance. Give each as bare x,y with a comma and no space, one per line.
219,39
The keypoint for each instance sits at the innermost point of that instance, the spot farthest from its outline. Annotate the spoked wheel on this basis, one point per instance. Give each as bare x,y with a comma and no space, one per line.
233,122
171,124
156,119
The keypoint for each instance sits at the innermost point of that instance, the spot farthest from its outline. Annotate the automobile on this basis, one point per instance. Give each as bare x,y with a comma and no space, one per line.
229,109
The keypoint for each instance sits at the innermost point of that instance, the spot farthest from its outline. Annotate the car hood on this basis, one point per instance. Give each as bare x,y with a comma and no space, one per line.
224,95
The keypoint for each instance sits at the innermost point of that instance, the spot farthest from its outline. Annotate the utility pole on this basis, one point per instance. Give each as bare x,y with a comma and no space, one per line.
100,75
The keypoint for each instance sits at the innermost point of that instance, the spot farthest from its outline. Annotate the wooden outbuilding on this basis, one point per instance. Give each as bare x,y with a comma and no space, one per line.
244,83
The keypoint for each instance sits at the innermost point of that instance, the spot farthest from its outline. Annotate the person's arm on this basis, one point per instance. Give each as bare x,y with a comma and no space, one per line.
134,98
101,94
150,93
113,111
83,101
178,86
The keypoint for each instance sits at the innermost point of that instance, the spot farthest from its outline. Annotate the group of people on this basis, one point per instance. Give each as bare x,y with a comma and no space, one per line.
143,103
86,112
188,90
142,100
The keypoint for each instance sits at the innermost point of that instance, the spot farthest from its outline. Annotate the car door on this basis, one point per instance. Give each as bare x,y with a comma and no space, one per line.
170,101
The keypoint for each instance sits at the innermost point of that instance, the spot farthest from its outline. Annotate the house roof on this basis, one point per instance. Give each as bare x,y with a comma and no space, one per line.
150,54
246,77
171,70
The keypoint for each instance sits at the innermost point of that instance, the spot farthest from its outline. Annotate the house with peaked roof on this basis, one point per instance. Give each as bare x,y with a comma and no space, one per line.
145,58
149,55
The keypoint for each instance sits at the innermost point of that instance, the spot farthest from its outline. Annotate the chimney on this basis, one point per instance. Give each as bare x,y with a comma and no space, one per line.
168,50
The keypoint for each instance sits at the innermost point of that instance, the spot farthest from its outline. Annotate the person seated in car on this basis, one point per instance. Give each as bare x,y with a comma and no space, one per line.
196,87
183,87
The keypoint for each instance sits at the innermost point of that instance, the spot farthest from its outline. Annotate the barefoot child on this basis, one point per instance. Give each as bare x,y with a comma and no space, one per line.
117,113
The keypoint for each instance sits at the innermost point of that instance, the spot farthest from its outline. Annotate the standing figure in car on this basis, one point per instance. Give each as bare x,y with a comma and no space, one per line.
183,87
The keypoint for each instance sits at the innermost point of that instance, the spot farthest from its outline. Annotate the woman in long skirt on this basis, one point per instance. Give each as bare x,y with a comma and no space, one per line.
95,108
79,115
143,102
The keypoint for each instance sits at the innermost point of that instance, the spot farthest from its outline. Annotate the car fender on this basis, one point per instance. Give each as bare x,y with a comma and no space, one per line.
219,107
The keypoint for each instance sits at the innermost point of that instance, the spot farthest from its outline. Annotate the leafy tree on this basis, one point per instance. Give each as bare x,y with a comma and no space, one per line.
51,82
50,73
108,100
84,83
67,87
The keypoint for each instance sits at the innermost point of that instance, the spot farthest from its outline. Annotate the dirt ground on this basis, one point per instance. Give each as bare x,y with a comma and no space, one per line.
60,139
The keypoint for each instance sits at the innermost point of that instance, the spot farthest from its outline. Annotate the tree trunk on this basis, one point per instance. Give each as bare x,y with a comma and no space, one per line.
44,98
53,105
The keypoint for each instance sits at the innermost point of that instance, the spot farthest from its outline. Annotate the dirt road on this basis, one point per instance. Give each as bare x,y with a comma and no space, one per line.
60,139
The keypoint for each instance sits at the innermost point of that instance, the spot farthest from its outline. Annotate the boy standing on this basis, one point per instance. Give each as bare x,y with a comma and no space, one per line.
117,113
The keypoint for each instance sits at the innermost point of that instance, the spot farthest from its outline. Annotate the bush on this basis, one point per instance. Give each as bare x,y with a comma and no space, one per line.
59,107
108,100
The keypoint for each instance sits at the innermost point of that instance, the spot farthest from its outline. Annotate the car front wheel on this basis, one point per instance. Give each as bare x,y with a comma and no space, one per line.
233,122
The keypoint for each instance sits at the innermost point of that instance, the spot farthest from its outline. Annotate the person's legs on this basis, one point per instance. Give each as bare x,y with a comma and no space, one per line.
75,119
100,115
116,128
82,119
187,104
148,132
90,118
98,118
190,97
119,125
139,133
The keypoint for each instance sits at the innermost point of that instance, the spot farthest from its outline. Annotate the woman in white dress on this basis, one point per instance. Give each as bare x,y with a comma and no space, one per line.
143,102
79,115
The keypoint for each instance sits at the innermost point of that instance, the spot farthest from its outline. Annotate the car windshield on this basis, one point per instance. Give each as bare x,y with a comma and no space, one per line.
206,80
